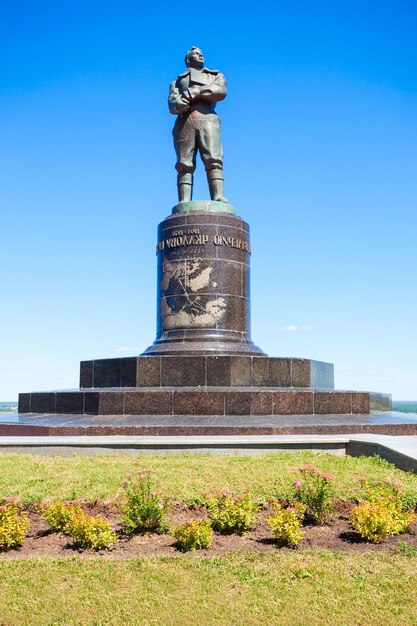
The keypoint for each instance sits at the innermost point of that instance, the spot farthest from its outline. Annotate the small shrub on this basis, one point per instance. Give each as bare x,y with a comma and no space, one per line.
386,510
90,532
377,489
372,521
375,520
231,515
144,509
193,535
316,492
13,525
58,514
286,524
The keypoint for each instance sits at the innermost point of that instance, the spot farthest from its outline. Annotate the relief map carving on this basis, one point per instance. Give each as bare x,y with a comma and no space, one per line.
186,299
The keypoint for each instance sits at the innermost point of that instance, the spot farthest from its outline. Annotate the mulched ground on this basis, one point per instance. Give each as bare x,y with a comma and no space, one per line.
336,535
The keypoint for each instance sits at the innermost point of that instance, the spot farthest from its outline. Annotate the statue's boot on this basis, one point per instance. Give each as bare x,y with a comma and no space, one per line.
216,185
185,186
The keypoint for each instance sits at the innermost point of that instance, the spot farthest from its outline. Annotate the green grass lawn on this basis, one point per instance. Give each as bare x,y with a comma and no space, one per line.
281,588
181,477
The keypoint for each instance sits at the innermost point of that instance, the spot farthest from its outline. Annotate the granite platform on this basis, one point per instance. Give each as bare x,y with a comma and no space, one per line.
200,401
387,423
203,374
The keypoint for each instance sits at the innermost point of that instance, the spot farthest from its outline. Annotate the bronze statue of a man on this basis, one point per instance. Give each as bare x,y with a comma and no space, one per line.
193,97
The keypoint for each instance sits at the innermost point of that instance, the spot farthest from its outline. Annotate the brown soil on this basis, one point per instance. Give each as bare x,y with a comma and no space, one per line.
336,535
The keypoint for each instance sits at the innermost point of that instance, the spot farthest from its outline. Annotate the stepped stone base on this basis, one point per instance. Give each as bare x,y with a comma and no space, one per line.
144,426
203,363
195,401
203,386
206,371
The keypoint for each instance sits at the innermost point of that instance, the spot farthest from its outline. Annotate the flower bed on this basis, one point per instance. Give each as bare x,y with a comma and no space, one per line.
142,520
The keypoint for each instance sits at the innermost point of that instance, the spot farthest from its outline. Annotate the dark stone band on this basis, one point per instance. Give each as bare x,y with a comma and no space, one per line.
206,371
203,402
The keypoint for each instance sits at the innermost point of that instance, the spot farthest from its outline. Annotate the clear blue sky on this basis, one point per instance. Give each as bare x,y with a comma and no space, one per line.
320,141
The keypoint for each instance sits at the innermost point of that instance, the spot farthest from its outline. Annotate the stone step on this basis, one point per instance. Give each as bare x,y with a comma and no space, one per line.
206,371
229,401
70,425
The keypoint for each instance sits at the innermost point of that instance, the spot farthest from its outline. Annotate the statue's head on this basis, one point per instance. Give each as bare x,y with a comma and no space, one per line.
194,58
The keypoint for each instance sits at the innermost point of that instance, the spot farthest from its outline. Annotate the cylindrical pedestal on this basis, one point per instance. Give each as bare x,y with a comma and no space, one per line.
203,300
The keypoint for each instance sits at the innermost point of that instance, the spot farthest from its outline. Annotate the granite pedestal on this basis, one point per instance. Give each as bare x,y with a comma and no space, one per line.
203,301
